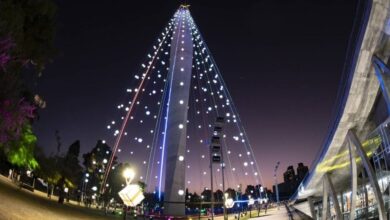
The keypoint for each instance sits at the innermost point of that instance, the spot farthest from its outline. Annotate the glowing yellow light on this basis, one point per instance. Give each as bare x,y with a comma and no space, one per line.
326,165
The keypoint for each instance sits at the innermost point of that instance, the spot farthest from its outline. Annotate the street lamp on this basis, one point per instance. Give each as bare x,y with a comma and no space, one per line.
276,183
132,194
229,202
128,174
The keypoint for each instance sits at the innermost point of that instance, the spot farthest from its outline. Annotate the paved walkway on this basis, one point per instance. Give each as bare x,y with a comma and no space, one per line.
22,204
281,214
18,203
274,214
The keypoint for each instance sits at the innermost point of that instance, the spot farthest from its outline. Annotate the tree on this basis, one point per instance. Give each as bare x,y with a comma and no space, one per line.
218,197
71,168
143,185
27,29
151,200
206,197
96,163
60,170
192,200
26,39
21,152
115,181
48,169
231,193
251,190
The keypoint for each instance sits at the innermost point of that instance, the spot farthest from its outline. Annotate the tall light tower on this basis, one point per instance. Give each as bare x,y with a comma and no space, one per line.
276,183
175,134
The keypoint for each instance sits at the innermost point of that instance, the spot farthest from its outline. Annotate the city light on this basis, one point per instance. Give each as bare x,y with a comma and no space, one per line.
129,175
180,192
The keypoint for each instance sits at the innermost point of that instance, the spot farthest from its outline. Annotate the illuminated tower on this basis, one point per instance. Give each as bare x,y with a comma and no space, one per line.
169,111
179,79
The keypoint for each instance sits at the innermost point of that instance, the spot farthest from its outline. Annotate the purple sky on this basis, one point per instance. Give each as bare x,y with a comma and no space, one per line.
281,60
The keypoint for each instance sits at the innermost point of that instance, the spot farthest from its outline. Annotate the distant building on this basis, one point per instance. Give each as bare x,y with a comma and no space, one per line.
289,175
291,181
302,170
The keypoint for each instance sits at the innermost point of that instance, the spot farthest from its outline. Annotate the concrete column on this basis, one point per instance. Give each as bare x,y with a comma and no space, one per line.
311,206
365,195
353,197
333,194
324,201
370,172
342,202
175,138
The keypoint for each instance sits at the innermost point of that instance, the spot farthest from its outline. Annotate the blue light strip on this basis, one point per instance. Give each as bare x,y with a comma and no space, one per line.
166,118
381,68
157,127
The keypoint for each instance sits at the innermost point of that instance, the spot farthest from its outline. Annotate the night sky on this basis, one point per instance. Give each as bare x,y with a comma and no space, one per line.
281,60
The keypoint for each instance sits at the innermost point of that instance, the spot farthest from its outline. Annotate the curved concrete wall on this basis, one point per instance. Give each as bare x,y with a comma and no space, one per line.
358,103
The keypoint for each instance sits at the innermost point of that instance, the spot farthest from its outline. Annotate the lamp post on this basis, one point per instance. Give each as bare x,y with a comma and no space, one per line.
132,194
84,187
276,184
128,174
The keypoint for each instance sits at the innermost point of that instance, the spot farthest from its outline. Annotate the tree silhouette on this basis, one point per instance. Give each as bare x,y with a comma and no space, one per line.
26,39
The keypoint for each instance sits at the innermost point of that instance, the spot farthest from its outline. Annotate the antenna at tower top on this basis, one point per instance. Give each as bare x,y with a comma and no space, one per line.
184,4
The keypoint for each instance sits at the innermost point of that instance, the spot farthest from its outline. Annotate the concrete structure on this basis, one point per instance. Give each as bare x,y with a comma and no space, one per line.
175,138
346,167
